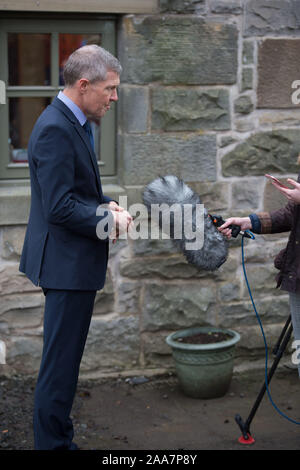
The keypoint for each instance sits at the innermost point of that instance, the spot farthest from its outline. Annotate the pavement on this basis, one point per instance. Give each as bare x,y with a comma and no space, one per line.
152,413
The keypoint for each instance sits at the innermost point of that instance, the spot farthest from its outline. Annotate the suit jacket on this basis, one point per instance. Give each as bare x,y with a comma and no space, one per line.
61,248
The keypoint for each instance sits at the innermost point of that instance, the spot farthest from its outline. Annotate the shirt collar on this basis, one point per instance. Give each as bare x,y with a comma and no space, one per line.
73,107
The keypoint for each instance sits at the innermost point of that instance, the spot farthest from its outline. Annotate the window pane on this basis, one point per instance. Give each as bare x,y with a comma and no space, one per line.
68,43
23,112
29,59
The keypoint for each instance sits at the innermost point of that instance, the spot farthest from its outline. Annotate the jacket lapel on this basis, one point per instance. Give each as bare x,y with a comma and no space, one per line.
68,113
86,140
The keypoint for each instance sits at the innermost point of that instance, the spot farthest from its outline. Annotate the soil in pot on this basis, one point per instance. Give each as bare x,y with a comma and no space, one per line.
204,338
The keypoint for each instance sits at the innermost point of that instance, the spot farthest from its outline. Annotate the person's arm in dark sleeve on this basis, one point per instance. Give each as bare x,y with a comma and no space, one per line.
255,222
277,221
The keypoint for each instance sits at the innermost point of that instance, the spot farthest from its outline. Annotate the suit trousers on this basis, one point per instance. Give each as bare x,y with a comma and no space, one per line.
67,319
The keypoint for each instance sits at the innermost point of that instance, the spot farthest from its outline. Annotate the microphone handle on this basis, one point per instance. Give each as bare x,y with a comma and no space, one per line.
218,220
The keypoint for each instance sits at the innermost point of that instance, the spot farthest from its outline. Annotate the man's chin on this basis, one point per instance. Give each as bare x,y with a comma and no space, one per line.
102,113
96,117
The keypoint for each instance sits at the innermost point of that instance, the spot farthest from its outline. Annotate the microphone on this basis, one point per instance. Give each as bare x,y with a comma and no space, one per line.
168,191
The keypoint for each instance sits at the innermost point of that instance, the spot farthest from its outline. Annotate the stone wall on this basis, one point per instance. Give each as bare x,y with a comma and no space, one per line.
205,95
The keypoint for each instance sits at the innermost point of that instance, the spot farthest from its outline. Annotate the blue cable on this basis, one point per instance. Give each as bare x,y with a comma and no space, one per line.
263,334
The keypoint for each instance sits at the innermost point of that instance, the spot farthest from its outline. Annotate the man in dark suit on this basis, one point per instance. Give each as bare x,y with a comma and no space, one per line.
62,250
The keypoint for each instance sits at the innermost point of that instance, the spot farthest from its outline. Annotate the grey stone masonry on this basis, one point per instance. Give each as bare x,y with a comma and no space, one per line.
263,17
178,50
181,6
146,156
206,95
183,109
264,152
243,105
135,109
278,68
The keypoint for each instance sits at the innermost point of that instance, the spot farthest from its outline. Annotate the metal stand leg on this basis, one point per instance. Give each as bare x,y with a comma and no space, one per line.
278,351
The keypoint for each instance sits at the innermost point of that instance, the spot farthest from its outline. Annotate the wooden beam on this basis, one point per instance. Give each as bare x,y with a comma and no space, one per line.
86,6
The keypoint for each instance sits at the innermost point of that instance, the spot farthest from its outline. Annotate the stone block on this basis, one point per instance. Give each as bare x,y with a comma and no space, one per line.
244,123
283,118
20,313
262,281
128,295
171,265
182,109
134,195
12,242
181,6
270,309
20,302
243,104
225,140
156,352
24,353
264,17
264,251
14,205
264,152
173,306
155,343
247,79
229,291
115,248
251,344
187,50
232,7
236,313
278,68
245,194
190,157
214,196
113,342
165,268
105,299
12,281
248,52
135,109
152,247
228,271
21,318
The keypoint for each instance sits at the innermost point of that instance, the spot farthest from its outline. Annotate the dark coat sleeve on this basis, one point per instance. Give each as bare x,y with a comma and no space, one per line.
277,221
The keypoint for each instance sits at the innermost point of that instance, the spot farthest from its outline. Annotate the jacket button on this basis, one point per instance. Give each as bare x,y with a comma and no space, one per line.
297,243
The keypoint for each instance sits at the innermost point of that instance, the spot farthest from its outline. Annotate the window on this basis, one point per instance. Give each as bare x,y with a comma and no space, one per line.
32,55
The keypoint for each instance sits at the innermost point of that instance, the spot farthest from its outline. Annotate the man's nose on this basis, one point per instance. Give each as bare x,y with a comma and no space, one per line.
114,96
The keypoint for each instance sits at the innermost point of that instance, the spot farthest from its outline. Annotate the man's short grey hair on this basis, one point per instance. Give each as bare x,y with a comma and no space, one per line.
91,62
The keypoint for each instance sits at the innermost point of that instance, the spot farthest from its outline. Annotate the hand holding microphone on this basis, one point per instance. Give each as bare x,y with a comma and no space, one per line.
243,222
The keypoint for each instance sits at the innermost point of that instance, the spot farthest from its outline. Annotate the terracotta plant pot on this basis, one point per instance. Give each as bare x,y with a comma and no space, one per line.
203,370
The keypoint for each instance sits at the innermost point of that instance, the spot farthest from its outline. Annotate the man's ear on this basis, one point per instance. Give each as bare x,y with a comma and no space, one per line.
83,84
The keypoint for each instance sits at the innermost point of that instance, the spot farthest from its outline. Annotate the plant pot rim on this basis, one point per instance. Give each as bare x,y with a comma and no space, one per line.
170,340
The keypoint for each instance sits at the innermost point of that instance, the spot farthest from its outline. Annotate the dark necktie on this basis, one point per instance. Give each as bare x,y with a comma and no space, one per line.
88,130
